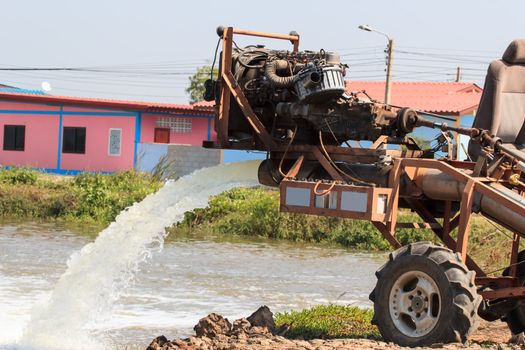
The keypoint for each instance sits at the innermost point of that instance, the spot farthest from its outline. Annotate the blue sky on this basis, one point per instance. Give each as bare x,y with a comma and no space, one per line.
147,49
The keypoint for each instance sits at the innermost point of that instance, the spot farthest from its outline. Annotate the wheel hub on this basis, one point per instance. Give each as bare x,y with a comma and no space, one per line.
418,303
415,303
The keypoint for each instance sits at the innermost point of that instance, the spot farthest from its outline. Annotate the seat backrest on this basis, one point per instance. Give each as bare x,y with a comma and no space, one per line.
502,106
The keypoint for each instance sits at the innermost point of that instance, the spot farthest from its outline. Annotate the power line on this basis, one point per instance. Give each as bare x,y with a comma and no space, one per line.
440,56
102,91
446,49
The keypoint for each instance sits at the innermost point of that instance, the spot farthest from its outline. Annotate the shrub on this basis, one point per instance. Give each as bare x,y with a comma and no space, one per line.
17,175
89,196
255,212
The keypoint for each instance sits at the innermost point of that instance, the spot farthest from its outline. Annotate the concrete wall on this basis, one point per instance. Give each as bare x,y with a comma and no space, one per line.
149,155
185,159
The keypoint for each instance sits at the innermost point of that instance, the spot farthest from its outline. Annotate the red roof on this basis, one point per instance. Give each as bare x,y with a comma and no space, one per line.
105,103
437,97
204,106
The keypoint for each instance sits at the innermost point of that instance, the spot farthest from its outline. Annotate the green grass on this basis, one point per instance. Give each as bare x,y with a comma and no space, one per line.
328,321
26,193
241,212
255,213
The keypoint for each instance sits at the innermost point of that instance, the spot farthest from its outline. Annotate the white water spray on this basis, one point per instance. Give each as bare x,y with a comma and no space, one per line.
100,271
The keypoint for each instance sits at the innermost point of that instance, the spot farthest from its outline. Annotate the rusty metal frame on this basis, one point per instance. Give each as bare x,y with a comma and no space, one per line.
507,286
230,88
406,162
371,213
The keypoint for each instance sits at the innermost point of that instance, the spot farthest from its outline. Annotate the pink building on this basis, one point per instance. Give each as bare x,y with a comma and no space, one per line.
70,134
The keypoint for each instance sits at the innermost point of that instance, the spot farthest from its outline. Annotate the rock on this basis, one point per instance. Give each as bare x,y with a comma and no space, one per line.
263,331
158,343
263,317
517,339
281,331
241,325
212,325
253,333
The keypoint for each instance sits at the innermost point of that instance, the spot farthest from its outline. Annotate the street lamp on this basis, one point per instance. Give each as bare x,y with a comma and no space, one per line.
390,58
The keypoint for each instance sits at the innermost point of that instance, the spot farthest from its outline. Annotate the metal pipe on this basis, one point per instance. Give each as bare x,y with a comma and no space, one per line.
291,37
513,153
271,73
439,186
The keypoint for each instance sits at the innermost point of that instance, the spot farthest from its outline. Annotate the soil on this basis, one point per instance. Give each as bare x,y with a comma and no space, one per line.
258,332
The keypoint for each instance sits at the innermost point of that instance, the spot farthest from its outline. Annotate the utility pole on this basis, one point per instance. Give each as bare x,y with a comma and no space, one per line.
390,58
458,74
390,53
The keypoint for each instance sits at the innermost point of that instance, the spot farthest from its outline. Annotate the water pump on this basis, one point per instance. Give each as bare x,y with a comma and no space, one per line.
300,93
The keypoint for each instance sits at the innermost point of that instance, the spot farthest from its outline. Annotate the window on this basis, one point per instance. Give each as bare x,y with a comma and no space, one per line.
162,135
74,140
115,142
176,124
14,137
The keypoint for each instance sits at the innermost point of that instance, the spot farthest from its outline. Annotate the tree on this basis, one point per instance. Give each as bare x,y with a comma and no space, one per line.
196,87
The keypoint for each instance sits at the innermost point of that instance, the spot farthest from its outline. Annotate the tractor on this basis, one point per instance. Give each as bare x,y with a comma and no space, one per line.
293,105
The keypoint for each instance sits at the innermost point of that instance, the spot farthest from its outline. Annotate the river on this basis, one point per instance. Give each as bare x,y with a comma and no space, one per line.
189,278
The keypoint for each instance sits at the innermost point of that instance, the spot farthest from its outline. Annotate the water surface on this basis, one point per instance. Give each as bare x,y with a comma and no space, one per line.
190,278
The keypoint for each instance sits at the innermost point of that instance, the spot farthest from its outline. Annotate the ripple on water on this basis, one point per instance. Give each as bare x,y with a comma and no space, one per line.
189,279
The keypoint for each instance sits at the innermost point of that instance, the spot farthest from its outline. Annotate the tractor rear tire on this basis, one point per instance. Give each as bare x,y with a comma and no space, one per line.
425,295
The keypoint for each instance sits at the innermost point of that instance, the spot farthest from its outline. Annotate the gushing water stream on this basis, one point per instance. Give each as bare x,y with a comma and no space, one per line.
98,273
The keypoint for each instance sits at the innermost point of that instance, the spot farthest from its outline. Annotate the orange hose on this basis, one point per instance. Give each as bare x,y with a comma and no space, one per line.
325,191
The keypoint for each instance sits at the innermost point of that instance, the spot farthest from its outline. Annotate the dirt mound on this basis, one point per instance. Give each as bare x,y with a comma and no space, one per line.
258,332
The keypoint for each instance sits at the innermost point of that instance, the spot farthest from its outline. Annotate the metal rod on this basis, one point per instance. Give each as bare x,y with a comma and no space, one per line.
514,153
292,38
427,113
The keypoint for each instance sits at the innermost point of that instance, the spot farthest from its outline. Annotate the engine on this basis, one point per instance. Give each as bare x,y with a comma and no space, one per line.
301,95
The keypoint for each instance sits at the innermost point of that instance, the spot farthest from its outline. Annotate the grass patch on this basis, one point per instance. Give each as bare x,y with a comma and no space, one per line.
328,321
98,198
27,193
255,213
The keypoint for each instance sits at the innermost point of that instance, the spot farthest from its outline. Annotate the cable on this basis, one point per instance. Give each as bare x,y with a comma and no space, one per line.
108,81
505,267
333,135
285,152
100,91
445,49
215,58
439,60
441,56
325,191
355,179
